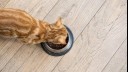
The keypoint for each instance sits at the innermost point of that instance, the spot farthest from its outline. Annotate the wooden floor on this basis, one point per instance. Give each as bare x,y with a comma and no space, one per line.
99,27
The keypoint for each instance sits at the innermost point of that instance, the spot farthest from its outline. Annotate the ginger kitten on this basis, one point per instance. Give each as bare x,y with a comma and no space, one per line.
15,23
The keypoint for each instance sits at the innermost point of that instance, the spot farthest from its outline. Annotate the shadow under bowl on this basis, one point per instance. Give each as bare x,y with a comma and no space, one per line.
59,49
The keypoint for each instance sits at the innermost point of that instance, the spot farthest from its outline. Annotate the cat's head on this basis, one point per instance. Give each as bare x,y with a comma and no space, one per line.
57,33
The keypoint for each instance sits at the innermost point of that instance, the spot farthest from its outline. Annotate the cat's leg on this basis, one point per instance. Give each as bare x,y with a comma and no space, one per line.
32,39
37,41
25,40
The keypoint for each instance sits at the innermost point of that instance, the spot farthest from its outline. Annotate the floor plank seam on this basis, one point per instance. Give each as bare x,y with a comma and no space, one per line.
12,57
30,11
6,4
41,63
90,20
2,46
44,18
82,31
37,4
8,48
51,9
100,43
114,54
57,64
123,67
26,60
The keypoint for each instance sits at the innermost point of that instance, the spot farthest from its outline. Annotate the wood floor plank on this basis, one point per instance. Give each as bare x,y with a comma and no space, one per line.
99,41
9,53
18,58
3,3
91,52
74,16
60,8
35,60
33,6
118,61
7,48
124,69
21,4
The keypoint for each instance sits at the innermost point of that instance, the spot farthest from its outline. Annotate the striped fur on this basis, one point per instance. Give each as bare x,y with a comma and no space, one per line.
15,23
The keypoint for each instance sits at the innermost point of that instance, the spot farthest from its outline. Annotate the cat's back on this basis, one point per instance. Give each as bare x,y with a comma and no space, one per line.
14,15
15,19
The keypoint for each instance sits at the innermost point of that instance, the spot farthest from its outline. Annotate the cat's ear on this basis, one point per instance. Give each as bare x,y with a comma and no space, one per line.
59,23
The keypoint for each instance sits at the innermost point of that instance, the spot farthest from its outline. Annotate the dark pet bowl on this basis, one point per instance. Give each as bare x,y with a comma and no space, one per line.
59,49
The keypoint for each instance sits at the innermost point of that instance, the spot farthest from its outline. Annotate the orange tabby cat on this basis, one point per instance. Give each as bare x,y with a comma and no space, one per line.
15,23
